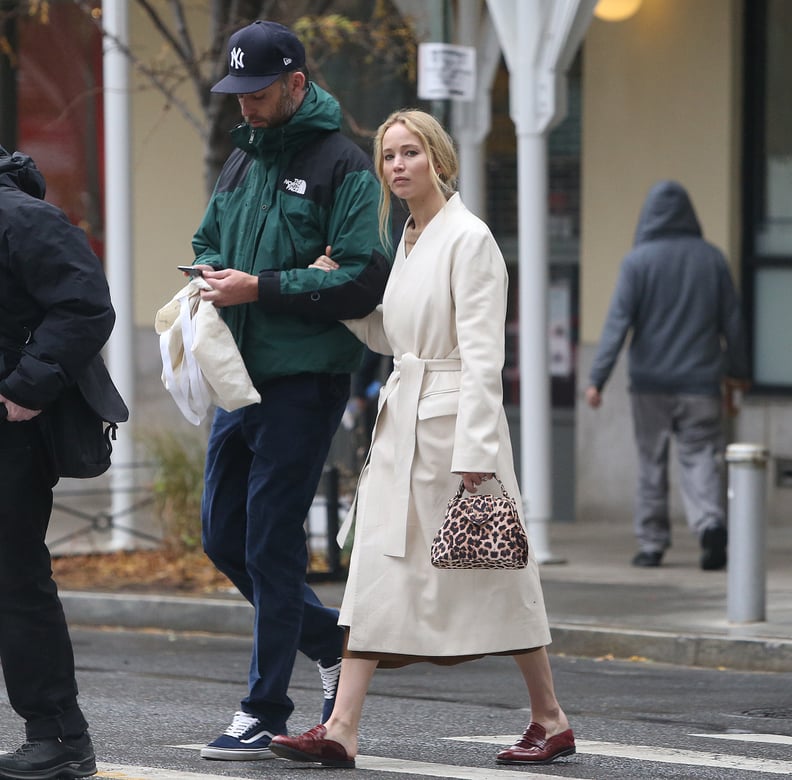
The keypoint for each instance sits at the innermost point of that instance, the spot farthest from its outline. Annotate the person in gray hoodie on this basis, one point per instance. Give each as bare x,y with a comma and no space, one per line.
675,296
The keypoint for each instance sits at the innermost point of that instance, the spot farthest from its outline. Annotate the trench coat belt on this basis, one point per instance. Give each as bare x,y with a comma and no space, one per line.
409,373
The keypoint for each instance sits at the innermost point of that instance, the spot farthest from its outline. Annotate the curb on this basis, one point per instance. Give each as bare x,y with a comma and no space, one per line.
707,651
235,617
167,613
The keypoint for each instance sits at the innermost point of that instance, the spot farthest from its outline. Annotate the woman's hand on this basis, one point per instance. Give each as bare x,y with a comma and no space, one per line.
325,262
472,479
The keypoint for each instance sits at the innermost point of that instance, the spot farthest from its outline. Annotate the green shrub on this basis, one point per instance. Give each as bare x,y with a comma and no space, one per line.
178,485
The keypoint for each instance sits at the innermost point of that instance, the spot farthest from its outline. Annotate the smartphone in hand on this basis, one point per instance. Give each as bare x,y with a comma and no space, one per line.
191,270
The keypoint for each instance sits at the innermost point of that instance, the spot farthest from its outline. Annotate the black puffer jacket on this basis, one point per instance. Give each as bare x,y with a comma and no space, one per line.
53,289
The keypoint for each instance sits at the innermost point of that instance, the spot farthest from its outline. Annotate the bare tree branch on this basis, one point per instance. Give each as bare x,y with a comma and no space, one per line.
384,42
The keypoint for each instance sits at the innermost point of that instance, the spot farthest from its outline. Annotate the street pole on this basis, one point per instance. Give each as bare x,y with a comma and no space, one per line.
471,120
539,40
118,252
535,422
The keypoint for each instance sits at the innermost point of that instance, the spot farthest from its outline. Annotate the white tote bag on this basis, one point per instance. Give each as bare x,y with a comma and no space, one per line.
201,364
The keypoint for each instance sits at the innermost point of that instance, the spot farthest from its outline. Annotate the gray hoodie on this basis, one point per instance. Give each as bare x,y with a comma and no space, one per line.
676,296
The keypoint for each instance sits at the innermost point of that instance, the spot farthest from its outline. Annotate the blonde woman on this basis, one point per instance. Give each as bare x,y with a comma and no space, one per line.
440,419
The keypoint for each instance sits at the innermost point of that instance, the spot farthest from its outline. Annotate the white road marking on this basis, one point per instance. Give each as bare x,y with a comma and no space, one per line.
770,739
425,769
422,768
692,757
371,763
660,755
584,747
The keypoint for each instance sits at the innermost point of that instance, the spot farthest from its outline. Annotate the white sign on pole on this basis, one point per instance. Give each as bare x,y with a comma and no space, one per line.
446,71
559,327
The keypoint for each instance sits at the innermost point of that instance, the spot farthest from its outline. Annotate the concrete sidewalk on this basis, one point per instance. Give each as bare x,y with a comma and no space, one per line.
598,604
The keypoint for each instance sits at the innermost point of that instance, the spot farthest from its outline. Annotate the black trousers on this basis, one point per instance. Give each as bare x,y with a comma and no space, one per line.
35,647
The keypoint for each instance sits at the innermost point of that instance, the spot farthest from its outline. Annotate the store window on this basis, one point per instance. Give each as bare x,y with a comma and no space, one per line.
59,111
767,268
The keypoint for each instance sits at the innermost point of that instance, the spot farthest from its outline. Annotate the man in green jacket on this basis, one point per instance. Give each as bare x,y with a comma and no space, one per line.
293,186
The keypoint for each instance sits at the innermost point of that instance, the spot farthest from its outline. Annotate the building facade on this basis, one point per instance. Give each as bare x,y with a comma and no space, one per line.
694,91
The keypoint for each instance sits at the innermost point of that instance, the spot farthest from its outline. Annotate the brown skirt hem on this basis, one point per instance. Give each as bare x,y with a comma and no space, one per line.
397,660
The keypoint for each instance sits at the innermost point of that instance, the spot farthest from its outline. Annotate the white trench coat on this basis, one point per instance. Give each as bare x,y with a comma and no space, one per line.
440,413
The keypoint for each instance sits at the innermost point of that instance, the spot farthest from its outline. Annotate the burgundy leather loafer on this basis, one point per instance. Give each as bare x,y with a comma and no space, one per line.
534,747
312,747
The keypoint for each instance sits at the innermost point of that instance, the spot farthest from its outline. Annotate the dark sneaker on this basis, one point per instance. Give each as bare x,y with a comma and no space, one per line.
713,548
46,759
647,559
329,675
244,740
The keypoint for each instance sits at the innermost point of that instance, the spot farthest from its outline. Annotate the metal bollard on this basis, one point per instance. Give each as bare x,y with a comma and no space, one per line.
746,586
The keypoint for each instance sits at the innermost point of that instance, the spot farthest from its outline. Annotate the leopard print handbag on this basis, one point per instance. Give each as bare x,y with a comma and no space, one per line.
480,532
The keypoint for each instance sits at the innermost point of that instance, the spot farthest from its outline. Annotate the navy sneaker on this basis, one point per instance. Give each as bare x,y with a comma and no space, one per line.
46,759
329,674
244,740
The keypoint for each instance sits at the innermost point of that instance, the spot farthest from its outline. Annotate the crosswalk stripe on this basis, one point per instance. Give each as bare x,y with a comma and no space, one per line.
371,763
115,771
589,747
420,768
426,769
660,755
769,739
678,756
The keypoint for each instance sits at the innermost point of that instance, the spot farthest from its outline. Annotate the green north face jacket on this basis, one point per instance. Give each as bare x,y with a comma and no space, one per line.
282,196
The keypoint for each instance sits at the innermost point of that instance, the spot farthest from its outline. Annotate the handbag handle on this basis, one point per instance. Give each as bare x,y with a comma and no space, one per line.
495,477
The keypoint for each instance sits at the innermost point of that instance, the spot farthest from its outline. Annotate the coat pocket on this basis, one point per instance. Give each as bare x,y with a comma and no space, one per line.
439,403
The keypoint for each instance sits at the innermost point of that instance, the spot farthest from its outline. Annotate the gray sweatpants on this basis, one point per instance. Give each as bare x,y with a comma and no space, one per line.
695,423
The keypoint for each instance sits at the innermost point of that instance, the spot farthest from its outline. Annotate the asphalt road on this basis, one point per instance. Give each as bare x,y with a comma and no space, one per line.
154,698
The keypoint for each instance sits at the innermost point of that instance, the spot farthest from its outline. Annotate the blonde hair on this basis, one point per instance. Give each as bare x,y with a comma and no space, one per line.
439,148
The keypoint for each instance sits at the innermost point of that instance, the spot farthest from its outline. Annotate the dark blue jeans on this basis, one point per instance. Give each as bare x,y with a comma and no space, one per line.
263,465
35,648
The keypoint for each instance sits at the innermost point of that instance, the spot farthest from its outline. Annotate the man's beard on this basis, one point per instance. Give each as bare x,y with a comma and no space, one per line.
284,111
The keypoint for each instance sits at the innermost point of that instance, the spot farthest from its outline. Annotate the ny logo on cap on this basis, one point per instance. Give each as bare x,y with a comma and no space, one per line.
237,55
287,60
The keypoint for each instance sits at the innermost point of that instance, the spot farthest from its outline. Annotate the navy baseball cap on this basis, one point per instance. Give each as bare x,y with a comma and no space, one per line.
258,55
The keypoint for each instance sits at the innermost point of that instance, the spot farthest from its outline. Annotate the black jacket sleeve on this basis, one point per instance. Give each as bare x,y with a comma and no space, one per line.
56,287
